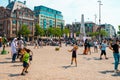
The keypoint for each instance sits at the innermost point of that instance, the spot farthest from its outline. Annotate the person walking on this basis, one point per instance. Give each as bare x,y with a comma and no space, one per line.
25,59
14,49
103,49
85,52
36,44
0,42
89,46
95,46
20,46
74,56
115,48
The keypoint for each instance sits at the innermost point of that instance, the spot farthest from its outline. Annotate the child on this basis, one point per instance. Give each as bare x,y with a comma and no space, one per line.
103,49
74,54
25,61
30,53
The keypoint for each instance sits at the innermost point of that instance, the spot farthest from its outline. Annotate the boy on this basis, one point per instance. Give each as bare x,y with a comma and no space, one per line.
103,50
25,61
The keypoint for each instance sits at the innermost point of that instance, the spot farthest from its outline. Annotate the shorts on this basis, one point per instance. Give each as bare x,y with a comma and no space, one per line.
25,64
103,52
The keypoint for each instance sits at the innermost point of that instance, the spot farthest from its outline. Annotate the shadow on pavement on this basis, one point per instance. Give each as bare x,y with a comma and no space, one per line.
96,58
5,62
107,71
16,65
9,62
110,72
8,58
69,66
14,75
116,74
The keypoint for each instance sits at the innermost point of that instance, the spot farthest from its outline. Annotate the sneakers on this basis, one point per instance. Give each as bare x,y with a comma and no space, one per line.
116,71
22,74
26,71
71,63
100,58
106,58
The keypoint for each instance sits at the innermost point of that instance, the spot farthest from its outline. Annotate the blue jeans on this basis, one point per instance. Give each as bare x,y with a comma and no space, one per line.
14,56
116,59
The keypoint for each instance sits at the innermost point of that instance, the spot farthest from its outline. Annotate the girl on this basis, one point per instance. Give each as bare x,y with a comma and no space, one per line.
74,54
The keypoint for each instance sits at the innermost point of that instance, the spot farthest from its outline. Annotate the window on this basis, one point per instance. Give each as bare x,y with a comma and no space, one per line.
14,21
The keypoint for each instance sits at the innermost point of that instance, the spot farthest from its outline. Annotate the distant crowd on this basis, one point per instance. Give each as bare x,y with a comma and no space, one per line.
20,51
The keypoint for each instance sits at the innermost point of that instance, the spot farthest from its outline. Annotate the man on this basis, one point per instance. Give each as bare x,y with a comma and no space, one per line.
95,47
20,46
115,48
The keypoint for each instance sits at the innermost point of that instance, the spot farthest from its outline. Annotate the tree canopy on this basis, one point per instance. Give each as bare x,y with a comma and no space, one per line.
24,31
39,30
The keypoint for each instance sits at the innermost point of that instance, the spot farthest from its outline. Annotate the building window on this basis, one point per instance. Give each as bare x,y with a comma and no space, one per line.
14,32
14,21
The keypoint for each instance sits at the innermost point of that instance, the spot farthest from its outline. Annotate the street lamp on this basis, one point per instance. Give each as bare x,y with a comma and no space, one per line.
95,18
75,29
99,1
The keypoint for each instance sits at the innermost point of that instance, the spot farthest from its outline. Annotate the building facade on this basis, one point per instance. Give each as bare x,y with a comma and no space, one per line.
111,32
75,27
14,16
48,17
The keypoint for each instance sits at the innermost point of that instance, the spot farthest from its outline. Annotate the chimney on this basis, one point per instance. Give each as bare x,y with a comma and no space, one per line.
9,1
25,2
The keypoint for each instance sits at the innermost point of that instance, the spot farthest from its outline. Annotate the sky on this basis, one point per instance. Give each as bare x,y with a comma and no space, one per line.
73,9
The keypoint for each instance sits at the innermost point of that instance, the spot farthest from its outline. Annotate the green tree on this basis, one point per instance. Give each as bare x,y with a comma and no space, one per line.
66,31
102,33
119,30
39,31
50,31
57,32
92,34
77,33
24,31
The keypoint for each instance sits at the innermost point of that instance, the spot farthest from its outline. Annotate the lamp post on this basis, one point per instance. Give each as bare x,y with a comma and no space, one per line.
75,29
99,1
95,18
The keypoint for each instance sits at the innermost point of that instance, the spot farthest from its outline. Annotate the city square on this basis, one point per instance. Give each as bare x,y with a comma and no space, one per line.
49,64
59,40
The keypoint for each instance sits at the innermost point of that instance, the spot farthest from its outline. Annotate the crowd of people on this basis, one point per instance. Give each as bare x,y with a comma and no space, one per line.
19,50
114,46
